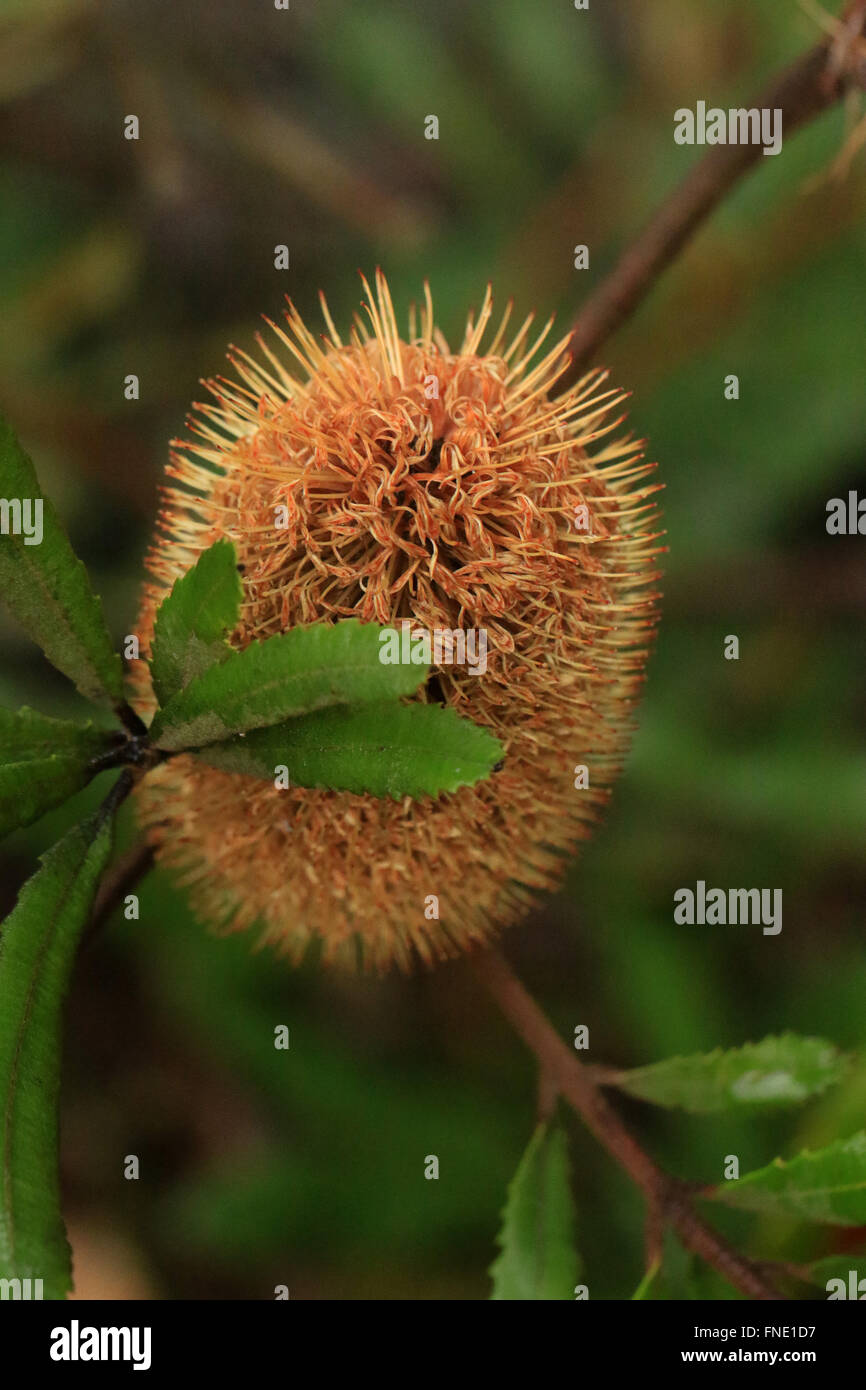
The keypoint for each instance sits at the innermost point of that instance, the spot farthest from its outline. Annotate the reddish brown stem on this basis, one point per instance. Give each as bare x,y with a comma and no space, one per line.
665,1195
121,878
802,92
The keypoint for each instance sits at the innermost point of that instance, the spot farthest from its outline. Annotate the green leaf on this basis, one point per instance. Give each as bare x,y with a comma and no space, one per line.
674,1277
285,676
48,590
645,1287
829,1185
539,1259
777,1071
193,621
386,750
37,947
42,763
677,1276
26,734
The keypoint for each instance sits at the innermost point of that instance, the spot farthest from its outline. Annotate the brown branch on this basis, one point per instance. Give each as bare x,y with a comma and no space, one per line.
665,1195
548,1095
654,1230
123,876
806,89
131,721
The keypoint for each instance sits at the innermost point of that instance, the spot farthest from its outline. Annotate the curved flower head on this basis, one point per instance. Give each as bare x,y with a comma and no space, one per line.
390,478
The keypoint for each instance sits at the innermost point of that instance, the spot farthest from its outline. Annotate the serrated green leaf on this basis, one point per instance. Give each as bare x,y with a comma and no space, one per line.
25,734
29,789
386,750
674,1278
647,1283
840,1267
679,1279
193,621
539,1259
37,947
42,763
829,1185
48,590
294,673
776,1071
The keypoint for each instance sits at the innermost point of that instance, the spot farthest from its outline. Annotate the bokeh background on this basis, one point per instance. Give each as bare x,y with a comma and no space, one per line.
305,127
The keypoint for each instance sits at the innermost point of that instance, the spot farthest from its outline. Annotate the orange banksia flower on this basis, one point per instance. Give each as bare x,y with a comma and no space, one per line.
389,479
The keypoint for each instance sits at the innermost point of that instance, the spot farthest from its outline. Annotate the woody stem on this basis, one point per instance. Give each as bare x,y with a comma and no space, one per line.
669,1200
802,92
121,878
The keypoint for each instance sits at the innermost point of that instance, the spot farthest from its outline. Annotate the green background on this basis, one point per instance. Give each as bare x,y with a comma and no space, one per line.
305,127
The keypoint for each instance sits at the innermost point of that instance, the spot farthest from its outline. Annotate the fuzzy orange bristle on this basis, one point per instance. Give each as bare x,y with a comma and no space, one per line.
454,511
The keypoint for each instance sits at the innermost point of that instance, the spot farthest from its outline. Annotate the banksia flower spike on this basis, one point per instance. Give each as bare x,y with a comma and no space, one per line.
390,479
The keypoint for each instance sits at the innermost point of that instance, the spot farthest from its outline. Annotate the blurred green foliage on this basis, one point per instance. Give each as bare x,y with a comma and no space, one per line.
306,127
